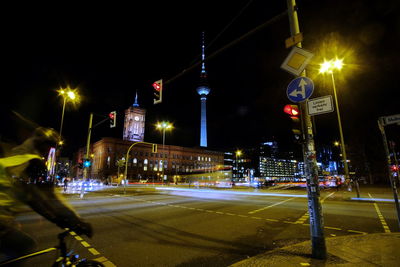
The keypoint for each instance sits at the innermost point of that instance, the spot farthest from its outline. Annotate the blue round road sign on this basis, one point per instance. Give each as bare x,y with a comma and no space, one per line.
300,89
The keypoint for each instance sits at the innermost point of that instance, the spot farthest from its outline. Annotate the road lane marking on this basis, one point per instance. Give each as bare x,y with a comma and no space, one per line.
302,219
289,222
94,251
381,218
254,211
273,220
333,228
103,260
357,232
109,264
85,244
306,215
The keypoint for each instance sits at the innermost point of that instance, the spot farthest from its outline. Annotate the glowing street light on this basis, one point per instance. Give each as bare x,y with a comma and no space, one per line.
336,143
67,95
329,67
238,153
163,126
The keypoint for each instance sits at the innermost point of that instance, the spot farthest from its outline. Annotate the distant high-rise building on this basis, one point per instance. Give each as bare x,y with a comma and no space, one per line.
134,122
203,90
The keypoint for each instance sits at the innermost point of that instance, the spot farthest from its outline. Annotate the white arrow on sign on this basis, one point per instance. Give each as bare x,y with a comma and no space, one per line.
301,91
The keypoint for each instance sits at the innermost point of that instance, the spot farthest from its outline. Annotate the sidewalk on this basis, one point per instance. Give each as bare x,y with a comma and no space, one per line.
354,250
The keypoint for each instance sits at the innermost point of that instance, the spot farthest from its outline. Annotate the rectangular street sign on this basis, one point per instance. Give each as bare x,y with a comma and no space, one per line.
391,119
293,40
320,105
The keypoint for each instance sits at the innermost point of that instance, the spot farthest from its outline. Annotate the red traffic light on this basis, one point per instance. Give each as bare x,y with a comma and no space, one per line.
292,110
157,86
113,118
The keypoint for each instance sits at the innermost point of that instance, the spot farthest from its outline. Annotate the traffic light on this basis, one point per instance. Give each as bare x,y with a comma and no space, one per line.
87,163
113,119
158,88
294,112
394,168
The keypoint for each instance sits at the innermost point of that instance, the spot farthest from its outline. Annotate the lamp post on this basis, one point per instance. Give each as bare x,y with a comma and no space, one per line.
238,153
67,95
163,126
329,67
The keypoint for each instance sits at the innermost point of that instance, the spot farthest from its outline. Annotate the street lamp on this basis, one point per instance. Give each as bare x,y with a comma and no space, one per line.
163,126
67,95
238,153
328,67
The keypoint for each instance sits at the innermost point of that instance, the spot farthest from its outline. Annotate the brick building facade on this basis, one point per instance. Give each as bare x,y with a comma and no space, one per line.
143,164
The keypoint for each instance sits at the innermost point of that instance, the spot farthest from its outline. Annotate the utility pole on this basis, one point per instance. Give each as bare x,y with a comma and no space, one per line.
154,149
86,169
310,161
381,125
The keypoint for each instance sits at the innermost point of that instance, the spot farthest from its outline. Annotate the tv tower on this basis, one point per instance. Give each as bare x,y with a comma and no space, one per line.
203,90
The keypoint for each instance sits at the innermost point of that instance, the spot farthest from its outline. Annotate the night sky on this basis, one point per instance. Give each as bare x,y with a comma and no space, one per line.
112,50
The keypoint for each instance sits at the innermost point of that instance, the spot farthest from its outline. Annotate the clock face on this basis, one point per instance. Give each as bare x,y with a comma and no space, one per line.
136,118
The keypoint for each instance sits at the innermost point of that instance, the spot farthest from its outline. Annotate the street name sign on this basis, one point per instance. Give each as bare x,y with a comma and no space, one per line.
300,89
391,119
293,40
320,105
297,60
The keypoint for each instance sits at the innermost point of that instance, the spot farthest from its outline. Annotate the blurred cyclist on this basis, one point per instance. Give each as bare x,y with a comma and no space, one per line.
18,166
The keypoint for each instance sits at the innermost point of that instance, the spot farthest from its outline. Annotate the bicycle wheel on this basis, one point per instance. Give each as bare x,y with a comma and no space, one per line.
90,263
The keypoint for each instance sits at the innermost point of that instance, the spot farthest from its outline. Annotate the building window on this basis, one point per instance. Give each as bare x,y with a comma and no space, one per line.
134,160
145,168
145,161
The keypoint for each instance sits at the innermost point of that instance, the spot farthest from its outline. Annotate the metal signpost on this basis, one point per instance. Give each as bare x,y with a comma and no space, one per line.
382,122
296,65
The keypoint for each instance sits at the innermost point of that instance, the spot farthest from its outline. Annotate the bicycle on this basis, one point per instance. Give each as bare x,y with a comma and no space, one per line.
65,258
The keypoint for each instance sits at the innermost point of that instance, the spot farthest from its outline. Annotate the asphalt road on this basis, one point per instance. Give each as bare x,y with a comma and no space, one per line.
196,227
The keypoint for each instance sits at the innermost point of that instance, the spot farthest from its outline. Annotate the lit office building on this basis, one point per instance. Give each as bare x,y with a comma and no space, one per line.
272,168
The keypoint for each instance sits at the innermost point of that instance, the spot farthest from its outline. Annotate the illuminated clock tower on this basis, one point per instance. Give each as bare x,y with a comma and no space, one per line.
134,123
